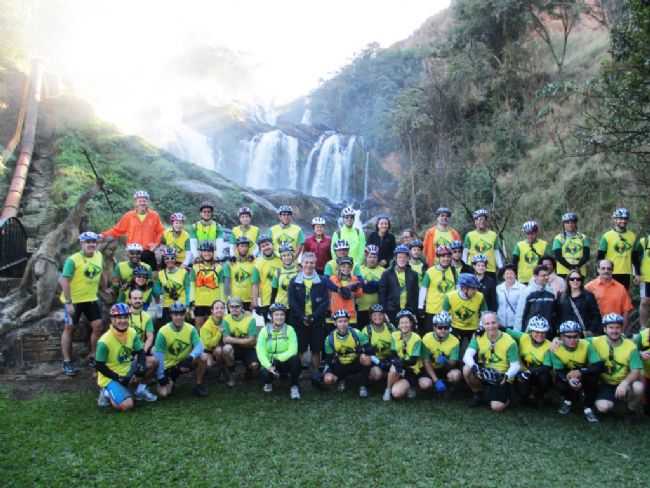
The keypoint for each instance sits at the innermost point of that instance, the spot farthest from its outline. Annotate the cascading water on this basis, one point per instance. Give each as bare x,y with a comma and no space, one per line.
330,177
365,176
272,161
190,145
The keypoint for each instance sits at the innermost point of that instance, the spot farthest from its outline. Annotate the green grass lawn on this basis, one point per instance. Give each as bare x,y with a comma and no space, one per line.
242,438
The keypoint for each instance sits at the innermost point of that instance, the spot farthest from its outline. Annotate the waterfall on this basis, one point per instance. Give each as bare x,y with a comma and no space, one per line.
306,117
365,176
190,145
307,174
333,168
272,161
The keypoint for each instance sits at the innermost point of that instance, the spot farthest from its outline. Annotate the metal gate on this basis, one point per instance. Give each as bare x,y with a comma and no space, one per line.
13,248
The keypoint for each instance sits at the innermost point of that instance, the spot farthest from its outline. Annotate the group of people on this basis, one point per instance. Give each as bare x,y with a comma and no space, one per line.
410,315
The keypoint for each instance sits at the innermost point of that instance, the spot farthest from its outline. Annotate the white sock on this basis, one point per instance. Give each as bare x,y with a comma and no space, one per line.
140,388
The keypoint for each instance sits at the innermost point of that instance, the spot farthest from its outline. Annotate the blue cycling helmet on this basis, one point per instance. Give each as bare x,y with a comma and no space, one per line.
264,238
455,245
466,280
570,327
401,249
613,318
120,309
88,236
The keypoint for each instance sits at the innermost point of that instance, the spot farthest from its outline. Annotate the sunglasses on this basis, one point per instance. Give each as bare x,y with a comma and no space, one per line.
235,306
571,336
443,327
575,278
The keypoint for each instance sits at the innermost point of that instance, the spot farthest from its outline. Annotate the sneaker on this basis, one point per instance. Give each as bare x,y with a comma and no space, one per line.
200,390
102,400
411,394
363,392
143,394
590,416
341,386
268,388
477,400
565,408
230,383
386,396
69,369
295,393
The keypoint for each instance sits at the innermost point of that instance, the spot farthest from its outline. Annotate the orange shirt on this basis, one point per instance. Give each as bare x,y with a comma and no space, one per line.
429,244
612,297
146,232
337,302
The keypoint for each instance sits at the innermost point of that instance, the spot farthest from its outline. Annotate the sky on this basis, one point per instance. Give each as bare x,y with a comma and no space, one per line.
116,53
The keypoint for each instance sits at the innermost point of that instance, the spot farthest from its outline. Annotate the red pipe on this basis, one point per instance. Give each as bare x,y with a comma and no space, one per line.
15,193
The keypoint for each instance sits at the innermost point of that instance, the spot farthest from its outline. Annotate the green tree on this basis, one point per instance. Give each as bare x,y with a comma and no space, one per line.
618,124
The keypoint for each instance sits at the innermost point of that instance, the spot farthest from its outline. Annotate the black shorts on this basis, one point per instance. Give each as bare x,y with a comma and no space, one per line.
497,393
245,354
175,371
90,310
606,392
463,334
311,337
412,377
202,311
441,373
342,371
623,279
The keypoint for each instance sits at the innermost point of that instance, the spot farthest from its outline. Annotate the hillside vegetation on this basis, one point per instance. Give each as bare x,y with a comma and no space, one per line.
499,104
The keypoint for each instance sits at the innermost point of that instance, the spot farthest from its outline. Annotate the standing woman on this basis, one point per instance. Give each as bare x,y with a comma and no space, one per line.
383,239
399,285
579,305
508,295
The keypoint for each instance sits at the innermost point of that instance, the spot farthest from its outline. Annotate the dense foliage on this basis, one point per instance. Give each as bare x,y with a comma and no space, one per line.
494,122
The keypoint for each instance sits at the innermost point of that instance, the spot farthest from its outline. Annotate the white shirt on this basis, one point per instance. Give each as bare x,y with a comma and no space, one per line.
507,301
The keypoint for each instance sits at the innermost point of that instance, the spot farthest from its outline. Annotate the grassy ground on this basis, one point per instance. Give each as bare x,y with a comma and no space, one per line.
240,438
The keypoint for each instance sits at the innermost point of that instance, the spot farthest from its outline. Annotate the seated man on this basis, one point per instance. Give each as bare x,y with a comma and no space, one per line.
534,379
491,364
116,369
405,373
441,353
346,354
621,378
179,349
577,366
239,338
277,351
